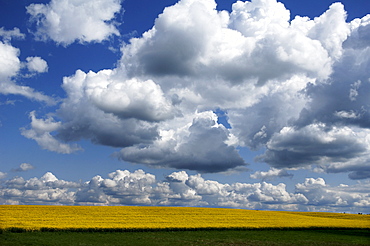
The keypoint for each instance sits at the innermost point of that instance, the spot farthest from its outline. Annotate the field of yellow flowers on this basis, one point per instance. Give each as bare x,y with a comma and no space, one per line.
129,217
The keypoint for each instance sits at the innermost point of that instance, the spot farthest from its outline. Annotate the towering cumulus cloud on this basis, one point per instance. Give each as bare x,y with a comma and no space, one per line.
295,88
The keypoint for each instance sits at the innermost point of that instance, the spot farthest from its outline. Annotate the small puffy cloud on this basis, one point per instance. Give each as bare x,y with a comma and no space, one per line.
24,167
345,114
177,177
7,35
36,64
353,93
271,174
68,21
10,68
2,175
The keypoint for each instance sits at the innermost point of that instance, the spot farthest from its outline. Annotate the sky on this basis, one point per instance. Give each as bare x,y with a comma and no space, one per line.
240,104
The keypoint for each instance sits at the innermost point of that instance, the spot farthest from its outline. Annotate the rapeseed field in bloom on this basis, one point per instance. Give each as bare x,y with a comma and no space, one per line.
30,217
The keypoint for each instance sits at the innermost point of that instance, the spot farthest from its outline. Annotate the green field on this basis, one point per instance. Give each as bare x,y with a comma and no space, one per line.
203,237
105,226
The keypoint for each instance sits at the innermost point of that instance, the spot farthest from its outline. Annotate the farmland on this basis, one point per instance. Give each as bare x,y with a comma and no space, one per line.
94,225
35,218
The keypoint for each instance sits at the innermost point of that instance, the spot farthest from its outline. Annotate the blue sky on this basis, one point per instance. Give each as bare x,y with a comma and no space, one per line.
257,104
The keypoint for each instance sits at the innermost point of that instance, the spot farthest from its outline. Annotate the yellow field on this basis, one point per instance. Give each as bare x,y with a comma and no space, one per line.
64,217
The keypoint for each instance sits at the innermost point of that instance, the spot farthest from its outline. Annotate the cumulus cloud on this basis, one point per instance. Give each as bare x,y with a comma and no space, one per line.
10,63
122,187
198,145
319,194
40,131
36,64
68,21
254,43
271,174
8,35
45,190
294,88
10,68
336,149
291,148
109,109
24,167
331,29
332,125
125,98
2,175
181,189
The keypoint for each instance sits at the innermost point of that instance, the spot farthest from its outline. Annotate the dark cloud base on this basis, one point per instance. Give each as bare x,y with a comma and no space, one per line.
295,87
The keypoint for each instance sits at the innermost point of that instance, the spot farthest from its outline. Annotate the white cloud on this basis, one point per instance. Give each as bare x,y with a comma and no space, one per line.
7,88
321,195
353,93
128,98
271,174
255,125
9,61
123,187
24,167
178,177
252,44
335,150
67,21
8,35
40,132
331,29
360,36
180,189
37,64
94,110
10,68
45,190
297,89
199,144
2,175
348,115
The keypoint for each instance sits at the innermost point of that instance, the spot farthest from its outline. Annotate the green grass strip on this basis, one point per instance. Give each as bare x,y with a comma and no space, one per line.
48,229
215,237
